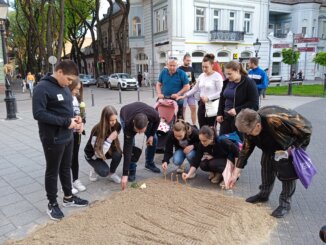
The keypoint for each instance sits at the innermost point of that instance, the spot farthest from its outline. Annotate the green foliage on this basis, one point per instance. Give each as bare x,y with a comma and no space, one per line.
290,56
316,90
320,58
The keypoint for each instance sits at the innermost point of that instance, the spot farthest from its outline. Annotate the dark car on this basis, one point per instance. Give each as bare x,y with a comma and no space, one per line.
102,81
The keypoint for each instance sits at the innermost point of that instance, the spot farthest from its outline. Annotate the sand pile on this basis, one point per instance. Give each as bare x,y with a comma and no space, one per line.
163,213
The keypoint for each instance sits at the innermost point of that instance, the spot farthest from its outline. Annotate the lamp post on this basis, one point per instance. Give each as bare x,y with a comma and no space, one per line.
256,45
9,99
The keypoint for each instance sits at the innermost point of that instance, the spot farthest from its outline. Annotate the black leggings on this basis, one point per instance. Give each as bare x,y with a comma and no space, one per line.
102,168
75,159
213,165
202,119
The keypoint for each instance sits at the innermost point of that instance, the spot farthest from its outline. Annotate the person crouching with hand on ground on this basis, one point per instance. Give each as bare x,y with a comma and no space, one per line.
273,129
52,108
104,144
184,138
212,156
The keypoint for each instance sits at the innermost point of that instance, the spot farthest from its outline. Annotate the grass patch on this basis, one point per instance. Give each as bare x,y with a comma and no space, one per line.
315,90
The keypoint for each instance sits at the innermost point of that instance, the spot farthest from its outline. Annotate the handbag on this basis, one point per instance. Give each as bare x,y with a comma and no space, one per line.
285,169
135,154
211,108
303,166
227,173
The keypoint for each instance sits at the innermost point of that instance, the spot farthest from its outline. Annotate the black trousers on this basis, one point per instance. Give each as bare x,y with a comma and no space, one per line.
58,162
213,165
75,159
102,168
201,114
268,174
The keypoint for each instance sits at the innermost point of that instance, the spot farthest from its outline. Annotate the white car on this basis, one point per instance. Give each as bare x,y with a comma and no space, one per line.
122,81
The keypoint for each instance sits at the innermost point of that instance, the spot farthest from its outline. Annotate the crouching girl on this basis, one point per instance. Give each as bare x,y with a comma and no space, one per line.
104,144
183,139
212,156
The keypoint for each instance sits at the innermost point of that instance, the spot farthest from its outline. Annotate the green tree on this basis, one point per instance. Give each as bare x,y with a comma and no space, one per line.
320,58
290,56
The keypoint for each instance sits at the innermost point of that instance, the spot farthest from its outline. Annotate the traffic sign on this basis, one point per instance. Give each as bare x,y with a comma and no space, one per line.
52,60
307,40
306,49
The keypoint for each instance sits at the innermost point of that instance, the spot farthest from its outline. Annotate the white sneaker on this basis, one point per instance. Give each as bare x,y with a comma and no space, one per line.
115,178
78,185
74,191
93,175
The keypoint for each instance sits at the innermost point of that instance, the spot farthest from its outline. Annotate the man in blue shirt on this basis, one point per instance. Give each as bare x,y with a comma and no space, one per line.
172,82
258,75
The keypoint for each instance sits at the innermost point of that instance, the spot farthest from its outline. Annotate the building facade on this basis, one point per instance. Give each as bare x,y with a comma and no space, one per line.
300,24
162,28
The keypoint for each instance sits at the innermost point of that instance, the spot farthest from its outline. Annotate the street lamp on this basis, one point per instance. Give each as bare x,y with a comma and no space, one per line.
9,99
256,45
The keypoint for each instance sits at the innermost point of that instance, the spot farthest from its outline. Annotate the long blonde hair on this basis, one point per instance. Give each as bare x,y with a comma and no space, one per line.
236,66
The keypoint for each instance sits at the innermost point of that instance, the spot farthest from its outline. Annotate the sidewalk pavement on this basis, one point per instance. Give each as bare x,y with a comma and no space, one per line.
23,201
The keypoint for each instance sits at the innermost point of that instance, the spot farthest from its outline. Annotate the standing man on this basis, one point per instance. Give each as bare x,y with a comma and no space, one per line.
191,101
258,75
52,108
139,118
172,82
139,78
273,129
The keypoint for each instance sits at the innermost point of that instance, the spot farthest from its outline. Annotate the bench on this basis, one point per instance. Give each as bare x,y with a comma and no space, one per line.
275,81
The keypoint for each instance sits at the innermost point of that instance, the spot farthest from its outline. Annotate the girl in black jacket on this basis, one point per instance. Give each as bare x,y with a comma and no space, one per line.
104,144
184,139
238,92
212,155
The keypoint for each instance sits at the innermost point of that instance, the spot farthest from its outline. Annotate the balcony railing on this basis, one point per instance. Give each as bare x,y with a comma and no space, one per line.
227,35
280,35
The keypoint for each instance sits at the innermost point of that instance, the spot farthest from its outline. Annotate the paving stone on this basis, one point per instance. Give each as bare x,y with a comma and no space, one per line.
9,199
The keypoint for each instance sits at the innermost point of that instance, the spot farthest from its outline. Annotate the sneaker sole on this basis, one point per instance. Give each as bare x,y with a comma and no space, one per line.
80,189
152,171
68,205
51,217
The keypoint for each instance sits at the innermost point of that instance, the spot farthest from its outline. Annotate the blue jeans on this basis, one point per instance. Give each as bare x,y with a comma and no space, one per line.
179,157
150,150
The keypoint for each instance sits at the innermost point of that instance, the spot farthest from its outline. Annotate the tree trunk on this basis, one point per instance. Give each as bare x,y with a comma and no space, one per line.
61,31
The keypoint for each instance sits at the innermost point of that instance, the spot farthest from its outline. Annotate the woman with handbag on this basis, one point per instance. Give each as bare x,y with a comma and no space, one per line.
104,144
238,92
184,139
209,85
212,155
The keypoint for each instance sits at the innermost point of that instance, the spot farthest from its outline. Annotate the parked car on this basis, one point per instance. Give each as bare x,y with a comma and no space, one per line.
103,81
122,81
87,80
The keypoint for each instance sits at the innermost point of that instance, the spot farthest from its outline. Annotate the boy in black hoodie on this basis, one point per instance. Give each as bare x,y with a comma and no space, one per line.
52,108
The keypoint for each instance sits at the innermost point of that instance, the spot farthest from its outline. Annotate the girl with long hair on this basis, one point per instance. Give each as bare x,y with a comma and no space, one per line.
104,144
184,139
76,89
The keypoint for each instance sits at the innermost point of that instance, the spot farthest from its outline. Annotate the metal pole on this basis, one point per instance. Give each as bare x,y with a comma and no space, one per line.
138,94
92,95
291,68
324,84
120,98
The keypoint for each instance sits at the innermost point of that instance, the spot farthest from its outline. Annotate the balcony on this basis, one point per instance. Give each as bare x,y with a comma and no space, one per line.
280,35
233,36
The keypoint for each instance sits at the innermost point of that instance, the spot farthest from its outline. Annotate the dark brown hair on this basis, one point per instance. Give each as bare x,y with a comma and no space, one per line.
210,58
102,130
208,132
254,60
236,66
68,67
73,85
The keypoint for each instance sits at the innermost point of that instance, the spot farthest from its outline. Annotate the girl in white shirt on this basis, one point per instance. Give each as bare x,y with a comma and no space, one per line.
209,85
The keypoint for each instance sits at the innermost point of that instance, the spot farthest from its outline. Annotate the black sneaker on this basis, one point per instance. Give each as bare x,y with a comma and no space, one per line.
54,211
74,201
152,168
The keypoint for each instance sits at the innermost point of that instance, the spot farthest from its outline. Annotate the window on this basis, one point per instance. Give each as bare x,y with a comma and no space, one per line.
197,54
162,55
164,20
216,20
157,21
223,54
276,66
231,21
136,26
277,55
245,54
304,31
247,23
200,19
